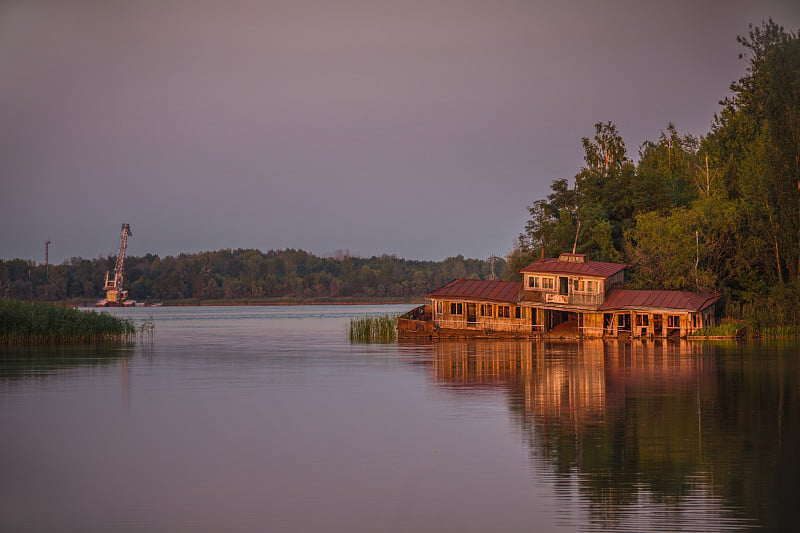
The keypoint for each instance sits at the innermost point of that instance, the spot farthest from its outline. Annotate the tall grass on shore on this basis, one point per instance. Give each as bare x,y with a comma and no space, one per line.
780,332
26,323
373,329
724,329
732,329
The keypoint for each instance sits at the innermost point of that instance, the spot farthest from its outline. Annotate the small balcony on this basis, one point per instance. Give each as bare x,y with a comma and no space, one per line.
575,299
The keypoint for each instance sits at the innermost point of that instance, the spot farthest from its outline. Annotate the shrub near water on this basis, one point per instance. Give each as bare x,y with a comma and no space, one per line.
373,329
43,323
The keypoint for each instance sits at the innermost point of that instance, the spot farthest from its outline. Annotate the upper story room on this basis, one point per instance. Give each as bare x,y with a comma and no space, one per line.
571,279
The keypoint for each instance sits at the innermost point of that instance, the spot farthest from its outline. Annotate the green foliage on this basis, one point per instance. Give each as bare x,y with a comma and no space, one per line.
518,258
718,213
605,183
780,332
775,306
46,323
379,329
758,138
725,329
600,201
666,175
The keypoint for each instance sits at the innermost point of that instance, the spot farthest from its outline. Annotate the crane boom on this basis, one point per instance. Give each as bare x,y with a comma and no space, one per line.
113,286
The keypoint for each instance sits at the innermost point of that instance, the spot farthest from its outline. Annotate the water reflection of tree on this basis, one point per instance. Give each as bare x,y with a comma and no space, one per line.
674,422
754,429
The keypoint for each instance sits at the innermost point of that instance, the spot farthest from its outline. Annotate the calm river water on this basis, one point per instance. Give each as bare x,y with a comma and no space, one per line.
268,419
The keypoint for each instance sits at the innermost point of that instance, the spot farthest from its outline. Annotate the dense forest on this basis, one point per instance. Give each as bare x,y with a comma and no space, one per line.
243,275
718,213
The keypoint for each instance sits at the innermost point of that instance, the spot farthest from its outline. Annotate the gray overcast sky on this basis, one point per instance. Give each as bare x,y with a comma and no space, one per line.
421,129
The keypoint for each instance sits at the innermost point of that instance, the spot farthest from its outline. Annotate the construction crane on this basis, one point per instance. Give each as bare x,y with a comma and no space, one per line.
115,295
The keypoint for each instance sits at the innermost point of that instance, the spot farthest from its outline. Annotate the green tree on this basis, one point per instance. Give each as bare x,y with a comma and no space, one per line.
666,173
601,202
757,137
518,258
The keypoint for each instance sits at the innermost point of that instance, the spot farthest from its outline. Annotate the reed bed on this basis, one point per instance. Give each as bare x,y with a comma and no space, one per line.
780,332
730,329
725,329
379,329
25,323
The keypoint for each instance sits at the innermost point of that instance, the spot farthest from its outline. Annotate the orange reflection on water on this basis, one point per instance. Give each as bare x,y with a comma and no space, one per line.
568,380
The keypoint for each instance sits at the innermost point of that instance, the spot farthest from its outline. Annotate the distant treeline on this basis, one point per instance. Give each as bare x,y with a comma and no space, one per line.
719,213
242,274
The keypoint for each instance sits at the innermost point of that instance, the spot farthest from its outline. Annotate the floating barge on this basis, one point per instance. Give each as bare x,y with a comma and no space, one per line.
565,297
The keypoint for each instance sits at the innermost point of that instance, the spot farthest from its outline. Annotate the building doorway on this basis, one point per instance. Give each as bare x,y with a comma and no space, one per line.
624,323
658,325
563,285
472,315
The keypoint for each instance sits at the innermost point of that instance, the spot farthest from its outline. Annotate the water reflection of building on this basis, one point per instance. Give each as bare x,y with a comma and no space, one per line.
638,428
481,362
567,379
555,378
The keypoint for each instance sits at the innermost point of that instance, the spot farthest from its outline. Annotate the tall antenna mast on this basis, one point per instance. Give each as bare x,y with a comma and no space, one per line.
46,267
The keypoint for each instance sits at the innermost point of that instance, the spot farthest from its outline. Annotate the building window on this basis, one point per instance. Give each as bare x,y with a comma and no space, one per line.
673,321
503,311
642,320
533,282
486,309
456,309
517,312
439,307
578,285
547,283
590,286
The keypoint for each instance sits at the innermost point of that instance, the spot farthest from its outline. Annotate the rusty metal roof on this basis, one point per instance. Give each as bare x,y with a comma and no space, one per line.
620,299
598,269
479,289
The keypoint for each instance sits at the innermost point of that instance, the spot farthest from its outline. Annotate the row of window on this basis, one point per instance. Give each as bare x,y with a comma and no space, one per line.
578,285
673,321
455,308
503,311
535,282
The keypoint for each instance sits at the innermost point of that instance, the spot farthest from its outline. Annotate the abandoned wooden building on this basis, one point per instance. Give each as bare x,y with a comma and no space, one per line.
566,296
